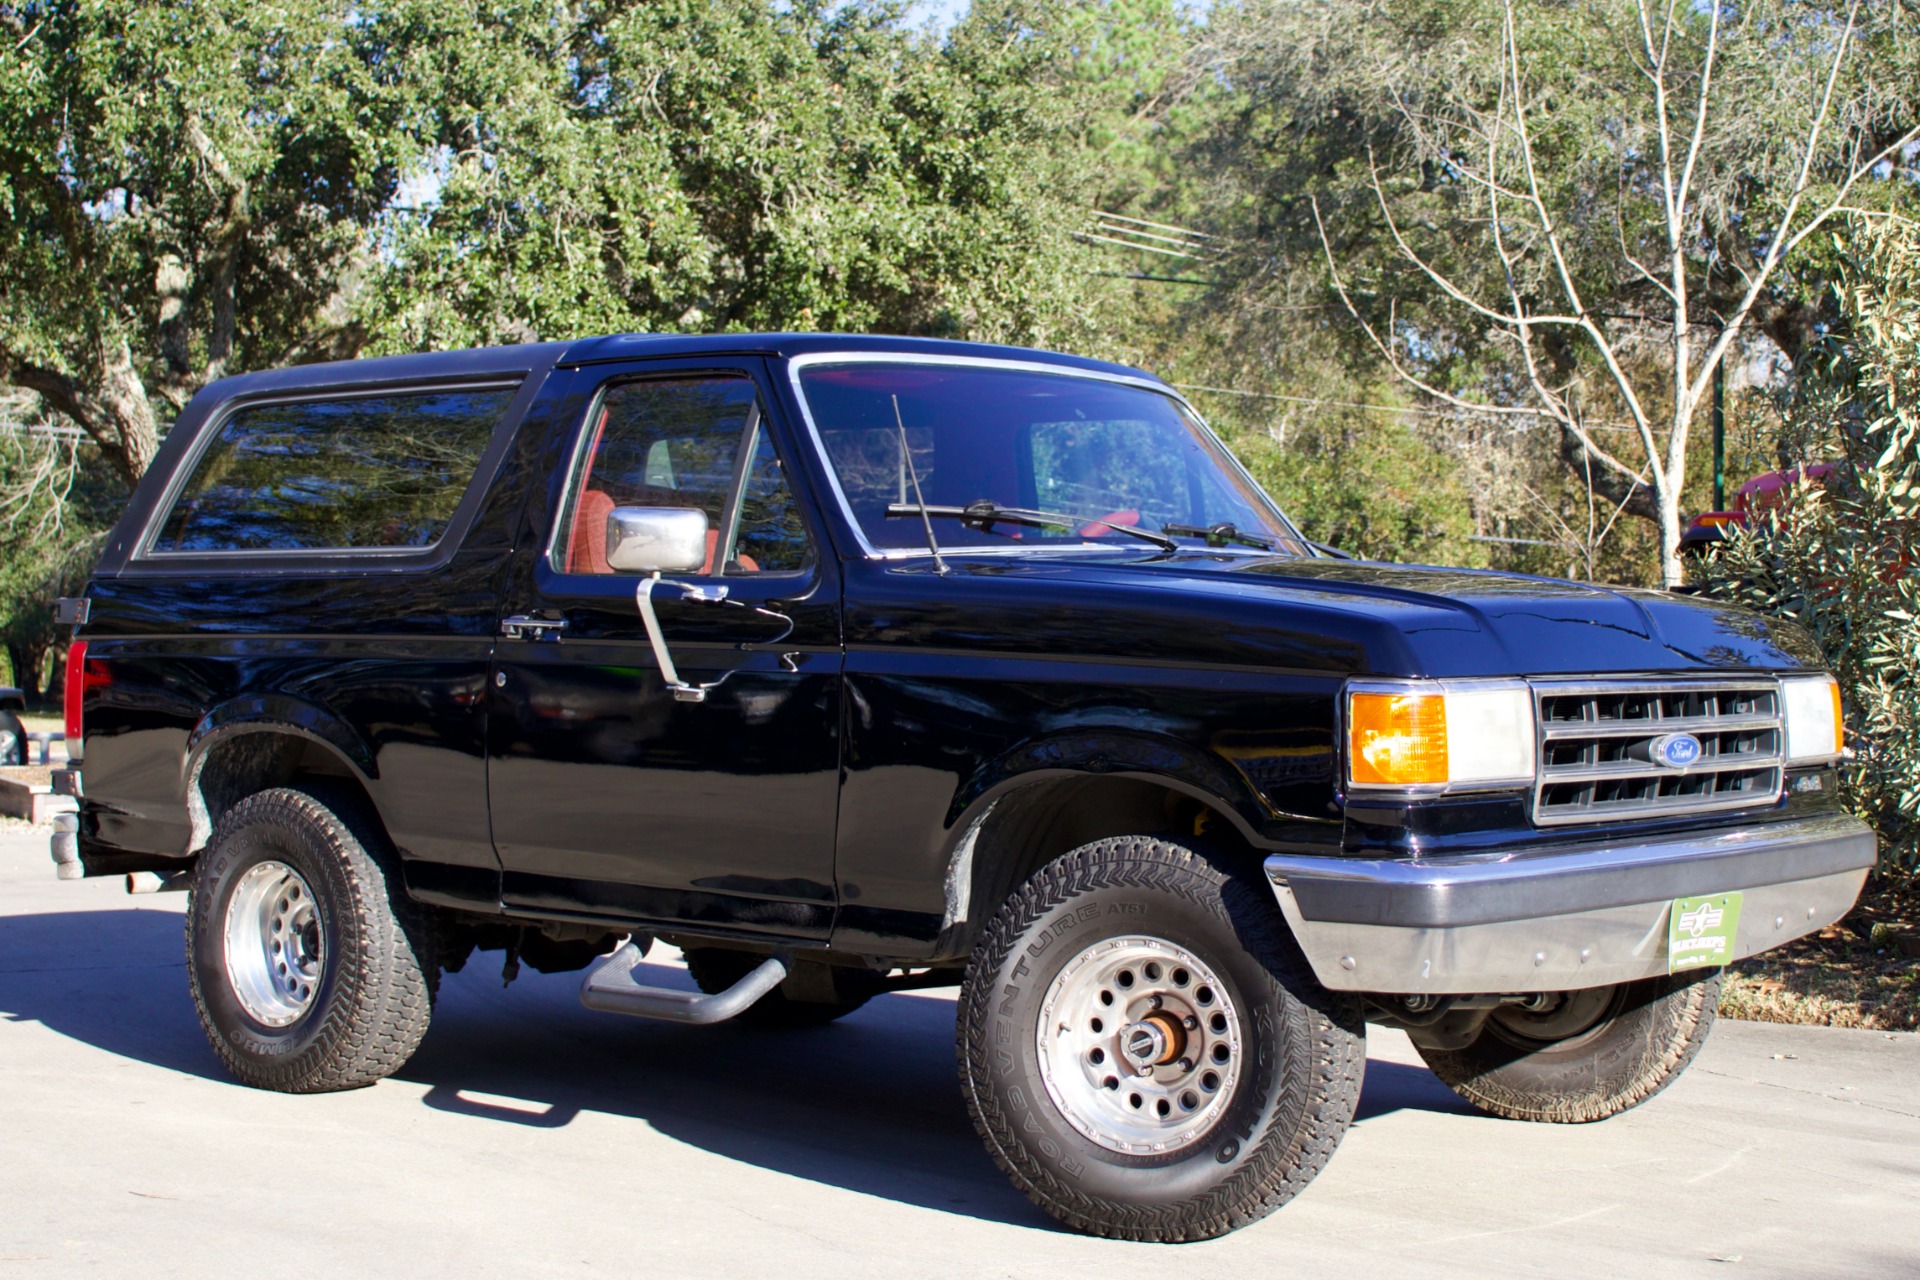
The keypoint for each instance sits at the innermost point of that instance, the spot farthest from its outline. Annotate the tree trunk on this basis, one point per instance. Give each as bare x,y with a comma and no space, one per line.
114,410
25,659
125,398
1672,572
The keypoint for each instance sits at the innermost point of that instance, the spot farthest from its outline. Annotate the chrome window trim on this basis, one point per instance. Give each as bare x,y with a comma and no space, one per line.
144,555
799,363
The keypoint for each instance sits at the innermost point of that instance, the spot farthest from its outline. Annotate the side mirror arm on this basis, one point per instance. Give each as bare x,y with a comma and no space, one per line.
643,600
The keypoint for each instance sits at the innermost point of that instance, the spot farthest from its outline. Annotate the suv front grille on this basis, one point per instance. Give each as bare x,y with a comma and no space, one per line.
1597,739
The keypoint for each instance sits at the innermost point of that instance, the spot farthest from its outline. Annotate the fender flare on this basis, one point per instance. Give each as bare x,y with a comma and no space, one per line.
274,713
1130,755
1115,753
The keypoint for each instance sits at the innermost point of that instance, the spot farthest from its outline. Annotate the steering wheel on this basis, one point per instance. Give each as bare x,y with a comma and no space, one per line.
1129,517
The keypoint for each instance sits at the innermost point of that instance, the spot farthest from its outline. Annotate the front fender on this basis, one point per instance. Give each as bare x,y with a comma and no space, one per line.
1118,753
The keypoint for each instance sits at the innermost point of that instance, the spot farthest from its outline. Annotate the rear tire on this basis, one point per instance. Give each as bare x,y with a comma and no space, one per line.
1144,1049
1638,1038
310,968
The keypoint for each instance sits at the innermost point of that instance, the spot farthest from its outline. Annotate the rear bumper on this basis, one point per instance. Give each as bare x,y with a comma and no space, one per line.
1560,919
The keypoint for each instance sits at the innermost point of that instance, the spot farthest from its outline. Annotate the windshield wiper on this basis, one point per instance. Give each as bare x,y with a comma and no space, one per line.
1219,535
984,514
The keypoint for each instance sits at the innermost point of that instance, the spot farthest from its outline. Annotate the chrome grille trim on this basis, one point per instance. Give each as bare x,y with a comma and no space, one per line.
1595,759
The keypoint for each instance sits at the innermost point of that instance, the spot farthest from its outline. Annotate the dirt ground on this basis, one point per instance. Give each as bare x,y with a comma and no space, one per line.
1862,972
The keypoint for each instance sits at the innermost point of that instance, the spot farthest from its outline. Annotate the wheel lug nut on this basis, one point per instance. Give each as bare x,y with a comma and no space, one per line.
1146,1070
1190,1022
1154,1002
1186,1064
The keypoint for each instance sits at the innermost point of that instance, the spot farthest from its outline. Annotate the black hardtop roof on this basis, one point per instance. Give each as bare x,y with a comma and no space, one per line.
488,362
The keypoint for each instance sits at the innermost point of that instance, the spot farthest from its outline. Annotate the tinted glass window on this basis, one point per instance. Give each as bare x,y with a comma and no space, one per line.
1097,454
371,471
770,537
676,442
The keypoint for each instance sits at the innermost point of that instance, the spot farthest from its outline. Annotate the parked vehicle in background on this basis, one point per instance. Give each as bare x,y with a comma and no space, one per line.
1769,492
13,733
848,665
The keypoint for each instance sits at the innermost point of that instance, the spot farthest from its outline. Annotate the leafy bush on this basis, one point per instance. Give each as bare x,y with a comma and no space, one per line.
1842,559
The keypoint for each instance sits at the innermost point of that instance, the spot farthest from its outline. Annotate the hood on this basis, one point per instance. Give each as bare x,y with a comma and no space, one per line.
1361,616
1550,626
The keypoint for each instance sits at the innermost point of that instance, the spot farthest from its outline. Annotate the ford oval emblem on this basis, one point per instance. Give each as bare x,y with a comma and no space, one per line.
1676,750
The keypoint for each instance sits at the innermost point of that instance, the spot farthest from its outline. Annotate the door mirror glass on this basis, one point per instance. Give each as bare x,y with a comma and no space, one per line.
656,540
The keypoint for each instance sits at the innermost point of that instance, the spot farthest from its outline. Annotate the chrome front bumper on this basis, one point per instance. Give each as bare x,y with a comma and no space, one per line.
1559,919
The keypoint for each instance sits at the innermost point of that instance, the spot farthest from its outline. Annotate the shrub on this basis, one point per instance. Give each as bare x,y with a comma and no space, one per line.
1842,559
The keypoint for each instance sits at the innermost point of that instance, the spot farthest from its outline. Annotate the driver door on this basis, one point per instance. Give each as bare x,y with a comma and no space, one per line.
612,797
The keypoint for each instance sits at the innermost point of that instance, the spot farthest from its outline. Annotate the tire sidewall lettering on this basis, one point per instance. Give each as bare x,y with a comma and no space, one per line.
223,864
1023,978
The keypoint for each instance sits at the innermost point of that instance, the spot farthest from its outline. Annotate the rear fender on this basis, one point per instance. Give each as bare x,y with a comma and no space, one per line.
277,714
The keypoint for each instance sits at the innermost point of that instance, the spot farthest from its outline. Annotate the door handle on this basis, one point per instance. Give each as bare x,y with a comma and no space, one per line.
522,626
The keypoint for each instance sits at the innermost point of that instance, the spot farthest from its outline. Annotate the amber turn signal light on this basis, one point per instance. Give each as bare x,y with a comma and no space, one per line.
1397,739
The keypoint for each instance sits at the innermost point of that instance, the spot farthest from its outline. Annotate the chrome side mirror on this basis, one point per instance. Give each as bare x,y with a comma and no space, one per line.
656,540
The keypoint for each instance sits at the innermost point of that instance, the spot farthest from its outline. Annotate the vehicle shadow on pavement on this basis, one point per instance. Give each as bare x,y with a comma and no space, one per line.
870,1103
116,980
1395,1086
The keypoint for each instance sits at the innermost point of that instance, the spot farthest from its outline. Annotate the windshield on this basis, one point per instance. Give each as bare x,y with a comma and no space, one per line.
1103,453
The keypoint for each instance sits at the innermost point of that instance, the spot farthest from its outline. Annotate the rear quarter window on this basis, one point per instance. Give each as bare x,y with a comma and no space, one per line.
351,472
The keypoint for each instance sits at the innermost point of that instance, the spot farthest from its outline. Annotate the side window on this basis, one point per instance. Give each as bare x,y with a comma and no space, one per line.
770,535
681,442
341,474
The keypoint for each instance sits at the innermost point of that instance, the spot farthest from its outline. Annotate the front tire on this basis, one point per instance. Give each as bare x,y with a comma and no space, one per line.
1594,1055
1144,1050
310,968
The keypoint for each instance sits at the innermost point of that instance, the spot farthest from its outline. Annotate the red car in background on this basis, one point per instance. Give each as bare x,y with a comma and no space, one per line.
1764,493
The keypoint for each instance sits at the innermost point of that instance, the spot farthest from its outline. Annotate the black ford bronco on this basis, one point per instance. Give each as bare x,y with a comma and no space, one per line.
848,665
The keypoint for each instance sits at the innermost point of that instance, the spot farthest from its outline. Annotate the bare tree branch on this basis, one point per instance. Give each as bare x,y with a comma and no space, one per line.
1416,381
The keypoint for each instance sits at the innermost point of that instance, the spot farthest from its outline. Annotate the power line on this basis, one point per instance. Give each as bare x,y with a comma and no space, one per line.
1158,226
1131,244
39,429
1142,275
1377,408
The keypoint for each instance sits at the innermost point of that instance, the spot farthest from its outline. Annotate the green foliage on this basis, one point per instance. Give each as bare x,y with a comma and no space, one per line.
50,530
731,165
183,191
1374,489
193,190
1554,209
1841,557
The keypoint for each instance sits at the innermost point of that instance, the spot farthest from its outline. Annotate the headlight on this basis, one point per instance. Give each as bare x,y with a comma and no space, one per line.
1810,706
1439,733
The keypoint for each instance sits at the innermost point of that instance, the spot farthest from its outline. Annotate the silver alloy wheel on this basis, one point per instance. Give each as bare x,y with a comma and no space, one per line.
1139,1045
276,948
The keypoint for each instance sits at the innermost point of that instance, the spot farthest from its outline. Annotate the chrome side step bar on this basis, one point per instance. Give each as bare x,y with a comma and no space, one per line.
609,988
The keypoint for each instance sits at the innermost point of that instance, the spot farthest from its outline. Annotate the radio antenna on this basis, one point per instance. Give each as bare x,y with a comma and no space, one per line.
913,473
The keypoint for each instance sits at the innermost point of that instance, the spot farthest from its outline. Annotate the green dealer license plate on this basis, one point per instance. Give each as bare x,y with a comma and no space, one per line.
1700,932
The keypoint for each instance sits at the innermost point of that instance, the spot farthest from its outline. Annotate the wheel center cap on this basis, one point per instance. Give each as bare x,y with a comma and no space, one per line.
1150,1042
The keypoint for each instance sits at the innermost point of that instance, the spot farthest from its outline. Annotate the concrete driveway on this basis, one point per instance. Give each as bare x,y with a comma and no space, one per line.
532,1138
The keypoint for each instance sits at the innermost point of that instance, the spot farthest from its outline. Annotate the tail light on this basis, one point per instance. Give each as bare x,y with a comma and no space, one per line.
82,675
